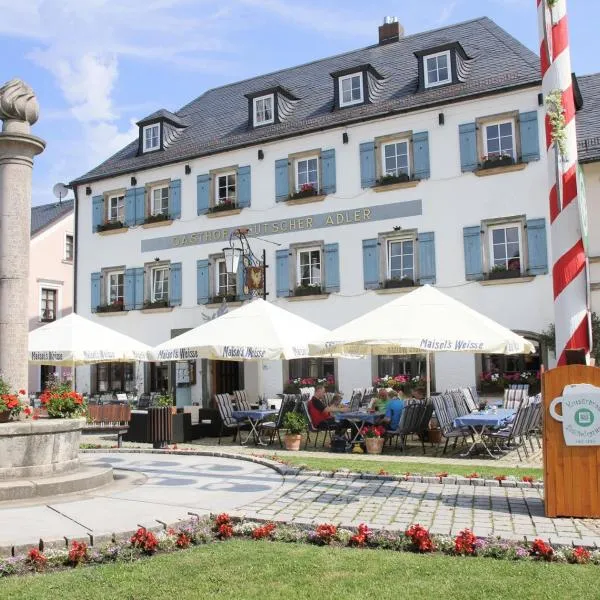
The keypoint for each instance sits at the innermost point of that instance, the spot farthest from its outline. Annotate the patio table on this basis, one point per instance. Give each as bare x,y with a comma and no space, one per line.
358,420
255,418
481,422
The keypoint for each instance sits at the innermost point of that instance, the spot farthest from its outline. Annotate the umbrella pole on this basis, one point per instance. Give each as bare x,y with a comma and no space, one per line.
428,374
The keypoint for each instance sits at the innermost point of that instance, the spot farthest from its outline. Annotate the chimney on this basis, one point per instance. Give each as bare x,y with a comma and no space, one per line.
390,31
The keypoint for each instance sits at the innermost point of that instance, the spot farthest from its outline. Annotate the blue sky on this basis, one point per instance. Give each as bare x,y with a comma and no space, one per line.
98,66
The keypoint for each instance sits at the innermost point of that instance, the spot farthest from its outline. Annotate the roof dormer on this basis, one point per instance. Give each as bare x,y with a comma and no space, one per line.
442,65
356,85
270,106
158,130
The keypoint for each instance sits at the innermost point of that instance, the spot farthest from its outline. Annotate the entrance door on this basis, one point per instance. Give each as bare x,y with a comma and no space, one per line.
227,376
47,372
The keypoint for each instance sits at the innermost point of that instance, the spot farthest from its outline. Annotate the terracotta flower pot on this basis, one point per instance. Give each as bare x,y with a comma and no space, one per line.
4,416
374,445
292,441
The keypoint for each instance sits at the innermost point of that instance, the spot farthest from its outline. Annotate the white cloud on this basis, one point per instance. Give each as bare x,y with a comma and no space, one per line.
445,14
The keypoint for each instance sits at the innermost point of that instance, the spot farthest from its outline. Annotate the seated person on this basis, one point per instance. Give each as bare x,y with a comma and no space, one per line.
319,413
393,409
379,402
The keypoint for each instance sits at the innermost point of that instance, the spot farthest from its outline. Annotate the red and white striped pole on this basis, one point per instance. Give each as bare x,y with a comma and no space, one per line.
569,271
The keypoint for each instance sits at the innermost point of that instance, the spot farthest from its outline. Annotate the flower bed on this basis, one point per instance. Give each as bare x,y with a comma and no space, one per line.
497,382
404,383
221,528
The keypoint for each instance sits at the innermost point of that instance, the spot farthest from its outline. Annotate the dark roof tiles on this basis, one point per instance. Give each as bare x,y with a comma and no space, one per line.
47,214
588,119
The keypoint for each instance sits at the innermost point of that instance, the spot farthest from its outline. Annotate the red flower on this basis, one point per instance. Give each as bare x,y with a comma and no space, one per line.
326,532
473,476
580,555
500,477
442,474
144,540
223,519
77,553
383,472
183,541
265,531
37,559
420,538
225,531
541,549
27,410
22,392
464,543
527,479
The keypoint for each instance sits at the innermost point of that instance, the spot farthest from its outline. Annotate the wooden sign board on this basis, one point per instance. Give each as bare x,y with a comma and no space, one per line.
571,473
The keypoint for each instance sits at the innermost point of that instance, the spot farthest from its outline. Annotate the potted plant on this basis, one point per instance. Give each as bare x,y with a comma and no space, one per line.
399,283
157,218
11,404
295,425
504,272
374,438
61,402
308,289
306,191
497,160
108,225
156,304
165,401
223,205
116,306
390,179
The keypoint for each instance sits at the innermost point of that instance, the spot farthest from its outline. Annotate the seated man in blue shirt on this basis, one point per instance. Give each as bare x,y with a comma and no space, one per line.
393,410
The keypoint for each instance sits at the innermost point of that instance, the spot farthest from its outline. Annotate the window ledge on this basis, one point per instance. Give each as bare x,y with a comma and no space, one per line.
396,186
162,309
219,304
397,290
307,200
66,262
523,279
114,313
498,170
113,231
224,213
164,223
311,297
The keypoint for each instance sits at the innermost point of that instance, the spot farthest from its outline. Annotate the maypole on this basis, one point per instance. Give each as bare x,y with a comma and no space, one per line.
569,261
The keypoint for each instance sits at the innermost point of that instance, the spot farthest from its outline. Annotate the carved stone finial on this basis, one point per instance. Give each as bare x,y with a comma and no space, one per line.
18,102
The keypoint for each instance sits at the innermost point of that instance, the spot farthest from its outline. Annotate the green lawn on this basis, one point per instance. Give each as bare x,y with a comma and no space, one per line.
399,467
261,570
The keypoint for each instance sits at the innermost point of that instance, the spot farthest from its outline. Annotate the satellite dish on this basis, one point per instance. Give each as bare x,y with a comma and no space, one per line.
60,190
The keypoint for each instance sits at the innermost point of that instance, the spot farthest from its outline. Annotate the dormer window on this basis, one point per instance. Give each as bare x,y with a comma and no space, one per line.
437,69
264,112
151,137
351,89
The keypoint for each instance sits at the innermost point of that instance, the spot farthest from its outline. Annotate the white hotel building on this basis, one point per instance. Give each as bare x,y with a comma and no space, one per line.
396,140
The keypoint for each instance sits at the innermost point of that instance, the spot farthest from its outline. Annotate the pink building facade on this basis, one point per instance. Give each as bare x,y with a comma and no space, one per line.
50,276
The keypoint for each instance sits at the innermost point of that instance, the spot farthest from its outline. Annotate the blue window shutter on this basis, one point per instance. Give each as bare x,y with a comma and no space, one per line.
421,155
175,199
244,186
175,284
202,280
129,295
473,253
537,247
282,182
282,276
371,263
367,164
140,205
426,258
95,298
138,277
467,134
328,171
130,207
530,139
332,268
97,212
241,281
203,193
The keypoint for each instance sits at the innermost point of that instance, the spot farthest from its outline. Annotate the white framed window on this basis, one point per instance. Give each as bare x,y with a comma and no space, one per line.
115,287
263,109
437,69
307,173
225,283
151,134
506,247
351,89
48,301
159,200
160,284
396,158
309,272
401,259
226,188
69,247
116,208
499,139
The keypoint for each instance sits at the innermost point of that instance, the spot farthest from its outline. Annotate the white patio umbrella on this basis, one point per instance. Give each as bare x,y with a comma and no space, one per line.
255,331
421,322
73,341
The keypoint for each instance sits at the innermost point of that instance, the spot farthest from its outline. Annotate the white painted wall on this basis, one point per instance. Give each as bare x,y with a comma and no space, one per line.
451,201
591,174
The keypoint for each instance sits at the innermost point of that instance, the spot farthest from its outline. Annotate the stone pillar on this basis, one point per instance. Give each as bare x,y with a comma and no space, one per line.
18,110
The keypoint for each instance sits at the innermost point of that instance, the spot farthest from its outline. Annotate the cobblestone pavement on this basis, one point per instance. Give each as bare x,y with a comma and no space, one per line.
510,513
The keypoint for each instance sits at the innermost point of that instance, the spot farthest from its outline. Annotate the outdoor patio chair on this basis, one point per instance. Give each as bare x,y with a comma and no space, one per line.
514,434
515,394
327,428
469,399
329,397
413,421
534,424
355,399
274,427
460,402
367,396
225,407
144,401
241,400
445,412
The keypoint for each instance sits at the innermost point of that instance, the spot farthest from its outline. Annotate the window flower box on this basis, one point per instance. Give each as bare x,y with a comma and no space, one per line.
306,191
114,307
399,283
220,299
157,218
501,272
501,160
156,304
308,290
110,225
223,205
392,179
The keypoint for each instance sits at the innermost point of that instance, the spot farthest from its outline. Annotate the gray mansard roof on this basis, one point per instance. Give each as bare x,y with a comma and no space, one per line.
47,214
588,119
218,120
